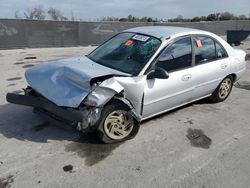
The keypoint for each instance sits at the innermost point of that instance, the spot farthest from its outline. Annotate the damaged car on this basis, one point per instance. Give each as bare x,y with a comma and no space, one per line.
137,74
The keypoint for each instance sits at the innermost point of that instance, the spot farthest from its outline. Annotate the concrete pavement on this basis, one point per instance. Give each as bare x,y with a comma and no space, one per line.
34,153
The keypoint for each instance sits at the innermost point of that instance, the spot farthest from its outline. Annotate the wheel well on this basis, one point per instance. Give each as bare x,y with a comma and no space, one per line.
234,77
117,100
127,104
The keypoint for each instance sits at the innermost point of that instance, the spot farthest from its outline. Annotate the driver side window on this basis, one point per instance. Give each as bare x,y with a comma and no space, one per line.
176,57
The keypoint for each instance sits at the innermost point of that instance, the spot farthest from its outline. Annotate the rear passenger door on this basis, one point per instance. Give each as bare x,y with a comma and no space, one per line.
211,65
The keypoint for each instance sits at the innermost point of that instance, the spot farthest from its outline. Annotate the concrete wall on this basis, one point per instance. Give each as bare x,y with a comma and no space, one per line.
30,33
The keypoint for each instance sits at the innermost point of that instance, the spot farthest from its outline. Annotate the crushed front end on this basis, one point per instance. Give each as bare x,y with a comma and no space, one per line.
74,92
83,118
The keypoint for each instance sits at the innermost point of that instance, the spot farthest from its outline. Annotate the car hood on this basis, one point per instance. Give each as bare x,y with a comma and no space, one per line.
66,82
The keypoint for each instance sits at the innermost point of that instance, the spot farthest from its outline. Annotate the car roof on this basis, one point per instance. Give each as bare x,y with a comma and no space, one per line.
165,31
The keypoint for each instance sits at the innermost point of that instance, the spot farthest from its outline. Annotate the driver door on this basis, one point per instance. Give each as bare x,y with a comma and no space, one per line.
163,94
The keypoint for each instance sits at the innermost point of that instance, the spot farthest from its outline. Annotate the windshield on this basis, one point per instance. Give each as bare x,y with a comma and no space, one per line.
126,52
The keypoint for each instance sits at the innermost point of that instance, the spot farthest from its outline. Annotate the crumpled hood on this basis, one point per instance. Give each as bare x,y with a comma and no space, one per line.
66,82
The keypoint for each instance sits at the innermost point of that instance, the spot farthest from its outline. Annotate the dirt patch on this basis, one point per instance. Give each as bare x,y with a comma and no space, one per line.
189,122
90,148
68,168
135,168
41,126
30,57
28,66
243,85
138,168
19,63
198,138
6,182
15,78
9,85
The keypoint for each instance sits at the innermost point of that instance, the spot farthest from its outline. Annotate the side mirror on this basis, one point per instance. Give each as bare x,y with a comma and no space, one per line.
159,73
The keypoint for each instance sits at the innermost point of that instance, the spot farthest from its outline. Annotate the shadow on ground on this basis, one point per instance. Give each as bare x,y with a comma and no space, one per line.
21,123
243,85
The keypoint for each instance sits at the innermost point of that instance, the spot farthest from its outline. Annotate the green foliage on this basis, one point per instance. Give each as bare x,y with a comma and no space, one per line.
211,17
130,18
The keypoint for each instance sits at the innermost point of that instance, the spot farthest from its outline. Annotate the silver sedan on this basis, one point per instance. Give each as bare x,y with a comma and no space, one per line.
136,75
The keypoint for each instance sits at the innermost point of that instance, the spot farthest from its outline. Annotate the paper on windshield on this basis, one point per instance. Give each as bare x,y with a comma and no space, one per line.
141,38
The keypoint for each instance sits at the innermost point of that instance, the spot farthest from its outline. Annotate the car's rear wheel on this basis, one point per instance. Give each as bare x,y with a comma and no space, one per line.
117,124
223,90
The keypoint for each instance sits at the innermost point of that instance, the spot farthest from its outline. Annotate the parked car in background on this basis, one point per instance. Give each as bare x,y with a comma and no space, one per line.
136,75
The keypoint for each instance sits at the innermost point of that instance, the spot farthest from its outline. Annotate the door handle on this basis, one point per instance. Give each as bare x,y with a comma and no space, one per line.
223,66
186,77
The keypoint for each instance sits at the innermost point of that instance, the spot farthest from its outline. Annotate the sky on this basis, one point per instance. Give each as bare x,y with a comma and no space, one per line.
91,10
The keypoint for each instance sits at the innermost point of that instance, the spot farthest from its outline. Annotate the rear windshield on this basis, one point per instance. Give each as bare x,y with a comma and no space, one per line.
126,52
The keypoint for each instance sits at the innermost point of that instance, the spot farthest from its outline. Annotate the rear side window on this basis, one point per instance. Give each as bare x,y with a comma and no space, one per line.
204,49
177,56
220,52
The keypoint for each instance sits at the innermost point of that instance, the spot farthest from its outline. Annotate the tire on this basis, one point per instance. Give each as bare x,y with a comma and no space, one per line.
223,90
112,127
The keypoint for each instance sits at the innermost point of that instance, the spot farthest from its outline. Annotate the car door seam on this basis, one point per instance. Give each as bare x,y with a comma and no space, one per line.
210,82
169,96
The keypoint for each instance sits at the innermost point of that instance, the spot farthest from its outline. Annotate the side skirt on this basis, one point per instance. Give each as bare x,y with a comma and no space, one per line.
167,110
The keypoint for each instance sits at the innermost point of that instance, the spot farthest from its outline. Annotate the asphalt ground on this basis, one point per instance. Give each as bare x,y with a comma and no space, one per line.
197,146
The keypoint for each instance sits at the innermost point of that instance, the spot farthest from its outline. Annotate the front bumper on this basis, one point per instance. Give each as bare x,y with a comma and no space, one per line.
84,119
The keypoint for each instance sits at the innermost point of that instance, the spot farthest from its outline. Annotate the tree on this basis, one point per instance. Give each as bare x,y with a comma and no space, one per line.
17,15
35,13
130,18
123,20
203,18
150,19
72,16
242,17
196,19
211,17
179,18
227,16
56,15
218,16
29,14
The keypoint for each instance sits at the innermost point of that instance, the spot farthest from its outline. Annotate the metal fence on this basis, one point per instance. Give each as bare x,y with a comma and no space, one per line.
16,33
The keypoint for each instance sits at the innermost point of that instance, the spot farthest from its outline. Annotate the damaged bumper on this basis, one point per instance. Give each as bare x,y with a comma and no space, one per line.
84,118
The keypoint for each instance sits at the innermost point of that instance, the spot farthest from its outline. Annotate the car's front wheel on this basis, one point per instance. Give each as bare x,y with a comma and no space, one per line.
223,90
117,124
